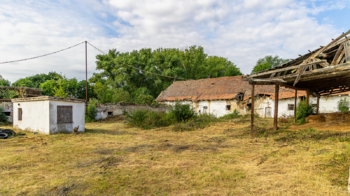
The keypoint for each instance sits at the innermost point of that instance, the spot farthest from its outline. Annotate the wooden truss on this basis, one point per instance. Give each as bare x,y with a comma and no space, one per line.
321,72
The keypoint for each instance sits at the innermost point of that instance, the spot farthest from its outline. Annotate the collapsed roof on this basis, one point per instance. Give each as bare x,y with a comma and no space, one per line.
323,71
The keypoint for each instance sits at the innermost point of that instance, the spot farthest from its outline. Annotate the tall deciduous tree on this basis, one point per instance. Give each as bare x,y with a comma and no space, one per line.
268,62
4,82
125,69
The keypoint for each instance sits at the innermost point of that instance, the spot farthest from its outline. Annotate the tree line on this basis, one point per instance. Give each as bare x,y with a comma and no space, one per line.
138,76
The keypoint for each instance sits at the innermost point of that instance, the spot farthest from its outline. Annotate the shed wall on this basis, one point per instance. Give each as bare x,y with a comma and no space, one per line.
78,117
35,116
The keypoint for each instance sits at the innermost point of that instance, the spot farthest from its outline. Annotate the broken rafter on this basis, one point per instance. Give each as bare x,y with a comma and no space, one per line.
287,68
337,55
324,48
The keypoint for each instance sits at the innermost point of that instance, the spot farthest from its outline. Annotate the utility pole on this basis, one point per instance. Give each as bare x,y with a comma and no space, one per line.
86,86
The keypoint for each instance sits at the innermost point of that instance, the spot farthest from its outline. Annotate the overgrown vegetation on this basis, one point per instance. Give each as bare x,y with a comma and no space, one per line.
182,115
232,115
3,117
91,110
303,111
8,94
343,104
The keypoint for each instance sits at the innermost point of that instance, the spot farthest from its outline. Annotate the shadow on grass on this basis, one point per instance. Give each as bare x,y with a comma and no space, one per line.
108,132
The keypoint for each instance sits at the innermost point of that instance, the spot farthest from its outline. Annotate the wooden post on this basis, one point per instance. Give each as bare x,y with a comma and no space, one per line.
307,98
349,182
318,105
295,106
276,107
252,113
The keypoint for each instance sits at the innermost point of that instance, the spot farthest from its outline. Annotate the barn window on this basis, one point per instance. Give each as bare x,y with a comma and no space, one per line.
7,113
20,112
290,106
110,113
64,114
228,107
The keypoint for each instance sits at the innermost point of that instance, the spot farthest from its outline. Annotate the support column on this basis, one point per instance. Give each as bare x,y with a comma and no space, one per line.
252,113
295,106
276,107
318,105
307,98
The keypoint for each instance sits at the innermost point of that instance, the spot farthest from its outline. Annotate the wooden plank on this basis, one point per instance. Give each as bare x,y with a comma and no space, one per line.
275,119
295,106
318,105
324,48
347,51
299,76
339,51
252,113
285,69
340,57
307,98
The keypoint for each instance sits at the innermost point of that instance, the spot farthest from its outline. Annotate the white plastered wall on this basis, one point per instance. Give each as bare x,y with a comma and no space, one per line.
35,116
41,116
78,117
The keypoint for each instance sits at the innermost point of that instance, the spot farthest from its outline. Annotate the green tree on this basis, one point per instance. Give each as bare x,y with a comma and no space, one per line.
102,92
268,62
60,92
36,80
120,95
49,87
4,82
125,69
7,94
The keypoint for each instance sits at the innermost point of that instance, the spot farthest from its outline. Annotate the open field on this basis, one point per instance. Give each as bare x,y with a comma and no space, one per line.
222,159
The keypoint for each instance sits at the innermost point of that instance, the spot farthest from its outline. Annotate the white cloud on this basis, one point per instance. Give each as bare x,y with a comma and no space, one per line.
241,30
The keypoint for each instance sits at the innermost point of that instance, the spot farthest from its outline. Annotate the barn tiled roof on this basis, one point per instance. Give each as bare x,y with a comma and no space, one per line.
214,89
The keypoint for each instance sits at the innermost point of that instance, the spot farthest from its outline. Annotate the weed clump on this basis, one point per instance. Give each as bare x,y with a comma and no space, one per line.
303,110
233,115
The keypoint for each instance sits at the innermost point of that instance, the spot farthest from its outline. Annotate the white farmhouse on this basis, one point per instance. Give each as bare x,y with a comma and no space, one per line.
49,115
221,96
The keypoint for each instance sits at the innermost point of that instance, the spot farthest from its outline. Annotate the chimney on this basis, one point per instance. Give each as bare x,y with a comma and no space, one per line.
209,76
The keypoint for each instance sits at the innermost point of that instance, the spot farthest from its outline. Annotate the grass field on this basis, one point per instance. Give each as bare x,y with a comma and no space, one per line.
111,158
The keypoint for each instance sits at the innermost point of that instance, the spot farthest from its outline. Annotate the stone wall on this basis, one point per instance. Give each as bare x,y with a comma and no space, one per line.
106,110
7,109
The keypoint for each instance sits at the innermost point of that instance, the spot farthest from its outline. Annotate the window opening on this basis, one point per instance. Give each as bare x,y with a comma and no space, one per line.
290,106
20,112
64,114
110,113
228,107
7,113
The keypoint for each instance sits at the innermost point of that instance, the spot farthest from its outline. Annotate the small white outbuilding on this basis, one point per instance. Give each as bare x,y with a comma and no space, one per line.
49,115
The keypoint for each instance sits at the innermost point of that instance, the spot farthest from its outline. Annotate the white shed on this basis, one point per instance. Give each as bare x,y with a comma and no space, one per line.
49,115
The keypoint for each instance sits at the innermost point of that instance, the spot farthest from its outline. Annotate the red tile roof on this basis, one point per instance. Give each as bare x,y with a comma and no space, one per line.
217,88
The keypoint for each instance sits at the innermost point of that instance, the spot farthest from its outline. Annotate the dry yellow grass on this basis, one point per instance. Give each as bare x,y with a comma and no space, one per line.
111,159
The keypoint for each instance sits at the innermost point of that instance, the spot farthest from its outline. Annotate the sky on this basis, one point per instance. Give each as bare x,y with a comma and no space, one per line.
240,30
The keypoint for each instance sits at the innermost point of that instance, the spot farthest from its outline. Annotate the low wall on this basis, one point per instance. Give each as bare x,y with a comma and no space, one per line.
329,117
7,109
106,110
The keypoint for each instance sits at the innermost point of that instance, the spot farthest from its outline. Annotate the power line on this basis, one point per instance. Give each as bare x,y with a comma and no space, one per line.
137,67
40,55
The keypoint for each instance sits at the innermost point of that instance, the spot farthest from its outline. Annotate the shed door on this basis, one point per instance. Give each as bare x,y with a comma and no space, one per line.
64,114
268,112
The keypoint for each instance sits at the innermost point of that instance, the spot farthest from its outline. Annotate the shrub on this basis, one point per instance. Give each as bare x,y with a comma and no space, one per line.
3,117
148,119
91,111
8,94
234,114
198,122
303,110
182,112
120,95
343,105
145,99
